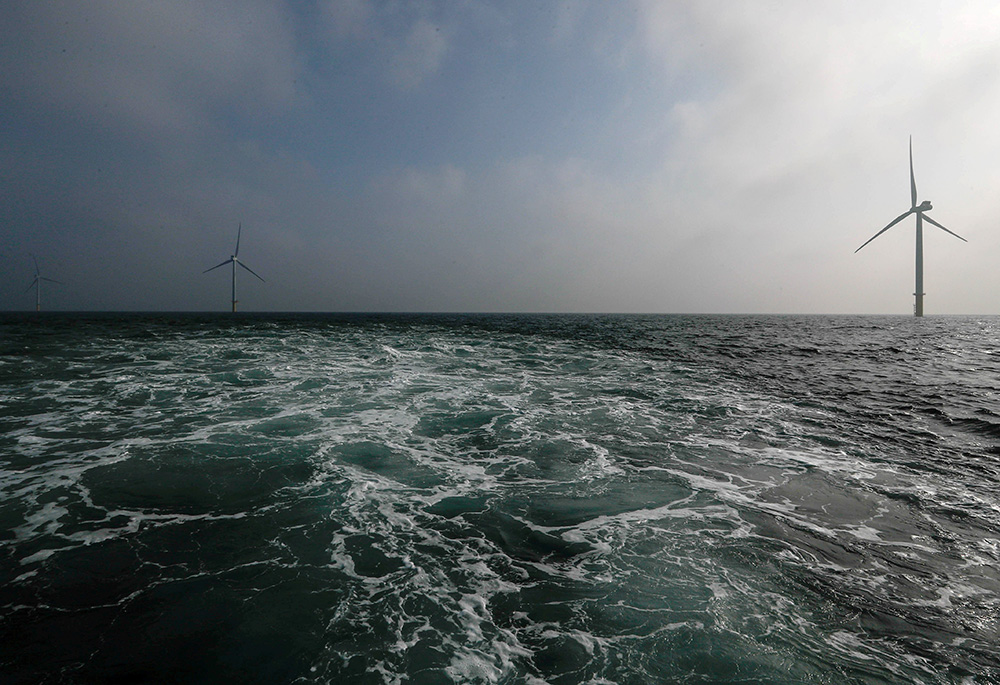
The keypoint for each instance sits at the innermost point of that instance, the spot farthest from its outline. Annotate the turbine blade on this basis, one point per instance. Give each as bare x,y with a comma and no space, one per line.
218,265
239,230
891,224
913,182
32,284
52,280
249,269
930,220
36,264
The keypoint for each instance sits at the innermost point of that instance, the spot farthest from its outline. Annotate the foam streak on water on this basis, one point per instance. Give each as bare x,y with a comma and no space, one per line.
499,499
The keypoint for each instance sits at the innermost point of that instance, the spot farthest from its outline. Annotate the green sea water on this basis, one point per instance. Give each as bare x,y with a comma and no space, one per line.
499,499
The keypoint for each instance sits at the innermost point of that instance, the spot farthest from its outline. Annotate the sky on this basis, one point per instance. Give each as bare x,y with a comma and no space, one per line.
690,156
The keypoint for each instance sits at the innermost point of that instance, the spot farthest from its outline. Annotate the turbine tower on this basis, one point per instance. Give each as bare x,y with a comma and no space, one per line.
36,283
234,259
920,210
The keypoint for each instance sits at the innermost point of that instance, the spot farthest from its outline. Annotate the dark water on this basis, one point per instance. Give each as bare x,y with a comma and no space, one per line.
499,499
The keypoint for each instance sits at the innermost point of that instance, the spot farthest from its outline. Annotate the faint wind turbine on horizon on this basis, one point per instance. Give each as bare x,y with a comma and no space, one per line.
36,283
919,210
234,259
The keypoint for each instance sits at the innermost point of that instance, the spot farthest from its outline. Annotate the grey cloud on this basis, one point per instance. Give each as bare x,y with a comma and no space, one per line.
778,144
419,56
154,65
402,39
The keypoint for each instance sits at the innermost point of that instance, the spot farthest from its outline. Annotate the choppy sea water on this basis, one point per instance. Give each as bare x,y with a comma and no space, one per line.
499,499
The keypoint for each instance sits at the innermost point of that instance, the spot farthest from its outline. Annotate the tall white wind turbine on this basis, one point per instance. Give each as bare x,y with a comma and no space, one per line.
36,283
234,260
920,210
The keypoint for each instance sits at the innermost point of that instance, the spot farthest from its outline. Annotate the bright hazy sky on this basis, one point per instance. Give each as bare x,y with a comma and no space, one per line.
499,155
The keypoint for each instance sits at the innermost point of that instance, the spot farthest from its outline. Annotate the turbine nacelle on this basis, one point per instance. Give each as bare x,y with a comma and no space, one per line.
925,206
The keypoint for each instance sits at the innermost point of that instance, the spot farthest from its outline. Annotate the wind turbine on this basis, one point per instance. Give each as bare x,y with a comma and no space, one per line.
234,259
36,283
919,210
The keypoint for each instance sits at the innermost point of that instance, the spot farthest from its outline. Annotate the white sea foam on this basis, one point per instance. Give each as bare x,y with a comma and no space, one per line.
494,505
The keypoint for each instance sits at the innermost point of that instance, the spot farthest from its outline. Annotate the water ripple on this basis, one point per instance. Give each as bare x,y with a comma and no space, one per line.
499,499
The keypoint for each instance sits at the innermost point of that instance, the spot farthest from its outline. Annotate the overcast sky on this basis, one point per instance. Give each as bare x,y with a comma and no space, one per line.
497,155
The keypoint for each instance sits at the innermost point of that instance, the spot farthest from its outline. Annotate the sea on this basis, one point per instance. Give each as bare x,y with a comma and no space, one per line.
406,498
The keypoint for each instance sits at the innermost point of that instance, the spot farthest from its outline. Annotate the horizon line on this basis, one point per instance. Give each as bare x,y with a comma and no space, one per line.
401,312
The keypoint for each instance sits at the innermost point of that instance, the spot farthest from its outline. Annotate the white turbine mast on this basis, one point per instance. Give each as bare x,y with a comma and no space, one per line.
36,283
234,260
921,212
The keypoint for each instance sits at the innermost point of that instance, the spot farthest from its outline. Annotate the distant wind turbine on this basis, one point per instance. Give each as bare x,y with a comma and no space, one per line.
919,210
234,259
36,283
